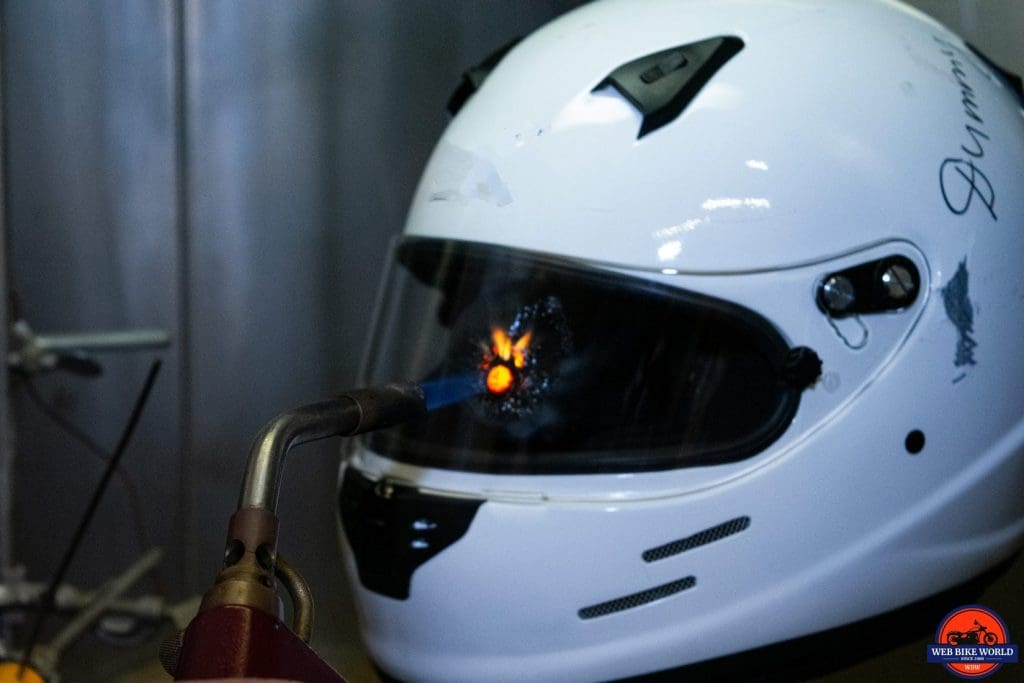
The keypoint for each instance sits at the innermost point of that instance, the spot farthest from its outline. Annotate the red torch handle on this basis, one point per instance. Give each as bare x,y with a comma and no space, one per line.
235,641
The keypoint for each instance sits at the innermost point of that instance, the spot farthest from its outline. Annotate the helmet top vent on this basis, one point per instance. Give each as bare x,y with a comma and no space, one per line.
663,83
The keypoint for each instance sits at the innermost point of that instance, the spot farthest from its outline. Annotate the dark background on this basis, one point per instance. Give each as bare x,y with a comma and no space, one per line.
232,172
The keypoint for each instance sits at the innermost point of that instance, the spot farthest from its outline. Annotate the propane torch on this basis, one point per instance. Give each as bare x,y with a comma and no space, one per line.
239,630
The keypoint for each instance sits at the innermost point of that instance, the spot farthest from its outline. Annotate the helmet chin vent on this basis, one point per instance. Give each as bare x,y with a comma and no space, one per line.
636,599
710,535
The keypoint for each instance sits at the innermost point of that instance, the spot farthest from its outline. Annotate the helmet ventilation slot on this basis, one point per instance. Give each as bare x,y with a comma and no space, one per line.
636,599
710,535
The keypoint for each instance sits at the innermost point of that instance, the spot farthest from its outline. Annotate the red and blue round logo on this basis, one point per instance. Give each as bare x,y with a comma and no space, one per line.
972,642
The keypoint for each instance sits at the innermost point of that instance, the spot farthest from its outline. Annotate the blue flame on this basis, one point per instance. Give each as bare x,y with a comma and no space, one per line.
445,391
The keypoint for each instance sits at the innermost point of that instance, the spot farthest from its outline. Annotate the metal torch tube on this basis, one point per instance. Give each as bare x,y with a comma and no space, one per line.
304,424
352,413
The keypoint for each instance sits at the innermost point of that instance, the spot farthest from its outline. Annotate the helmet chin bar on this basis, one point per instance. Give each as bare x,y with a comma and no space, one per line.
251,564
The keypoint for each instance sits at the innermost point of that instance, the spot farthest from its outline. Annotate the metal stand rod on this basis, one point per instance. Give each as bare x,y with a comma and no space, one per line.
122,340
107,594
46,603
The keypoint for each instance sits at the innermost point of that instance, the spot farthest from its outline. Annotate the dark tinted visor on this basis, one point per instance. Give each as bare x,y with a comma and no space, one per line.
535,365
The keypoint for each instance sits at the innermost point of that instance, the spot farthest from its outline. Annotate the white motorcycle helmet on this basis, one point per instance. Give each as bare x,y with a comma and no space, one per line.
719,309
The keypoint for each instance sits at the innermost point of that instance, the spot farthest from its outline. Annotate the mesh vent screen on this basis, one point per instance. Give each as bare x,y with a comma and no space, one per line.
637,599
715,533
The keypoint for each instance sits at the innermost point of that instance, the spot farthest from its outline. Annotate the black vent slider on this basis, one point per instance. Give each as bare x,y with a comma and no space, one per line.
474,77
662,84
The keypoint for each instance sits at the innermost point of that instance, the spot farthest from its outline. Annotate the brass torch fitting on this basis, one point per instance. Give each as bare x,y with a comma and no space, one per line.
247,577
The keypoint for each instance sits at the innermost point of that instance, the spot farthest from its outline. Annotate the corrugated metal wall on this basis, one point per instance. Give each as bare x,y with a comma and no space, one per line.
230,171
93,233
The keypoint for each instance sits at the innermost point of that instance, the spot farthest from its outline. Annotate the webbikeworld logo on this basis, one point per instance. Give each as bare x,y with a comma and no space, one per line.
972,642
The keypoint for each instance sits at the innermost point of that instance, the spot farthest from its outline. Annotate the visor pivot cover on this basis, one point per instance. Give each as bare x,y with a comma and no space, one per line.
899,282
879,286
838,293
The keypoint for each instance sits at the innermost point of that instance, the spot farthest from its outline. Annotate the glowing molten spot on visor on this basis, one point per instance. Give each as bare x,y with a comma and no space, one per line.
499,379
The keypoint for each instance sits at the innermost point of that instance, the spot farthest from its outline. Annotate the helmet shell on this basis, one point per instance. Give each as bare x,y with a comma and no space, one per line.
813,141
841,132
